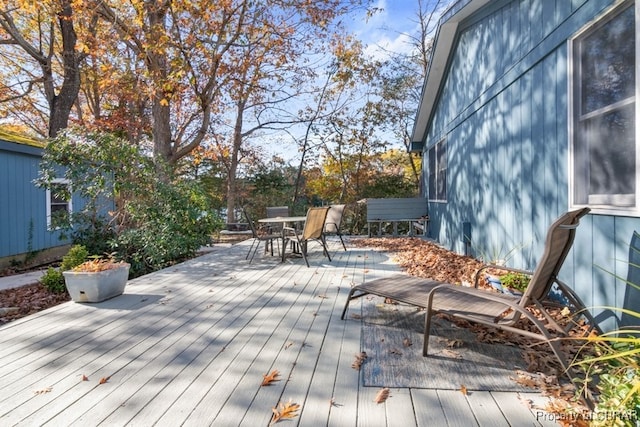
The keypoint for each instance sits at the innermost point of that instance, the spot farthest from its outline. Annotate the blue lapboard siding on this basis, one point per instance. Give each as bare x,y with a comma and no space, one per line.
23,222
503,110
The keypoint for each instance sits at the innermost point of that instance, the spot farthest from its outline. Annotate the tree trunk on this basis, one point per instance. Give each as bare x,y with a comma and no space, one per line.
61,104
232,188
160,110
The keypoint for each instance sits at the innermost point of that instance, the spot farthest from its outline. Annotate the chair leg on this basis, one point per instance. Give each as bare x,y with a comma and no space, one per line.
253,242
254,251
427,333
342,241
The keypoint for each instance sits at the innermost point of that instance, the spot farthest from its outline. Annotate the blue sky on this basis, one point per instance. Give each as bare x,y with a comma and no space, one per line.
389,28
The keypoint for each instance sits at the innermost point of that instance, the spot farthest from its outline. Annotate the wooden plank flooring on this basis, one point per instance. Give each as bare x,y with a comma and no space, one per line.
189,345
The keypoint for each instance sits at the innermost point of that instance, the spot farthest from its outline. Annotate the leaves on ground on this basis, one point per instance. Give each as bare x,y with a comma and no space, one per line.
360,359
43,390
382,395
463,390
85,378
271,378
284,411
104,380
25,300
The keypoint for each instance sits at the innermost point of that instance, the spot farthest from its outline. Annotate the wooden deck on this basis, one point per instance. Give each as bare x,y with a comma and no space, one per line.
189,345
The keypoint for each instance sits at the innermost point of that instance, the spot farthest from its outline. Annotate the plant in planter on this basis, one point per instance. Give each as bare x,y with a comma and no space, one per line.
96,280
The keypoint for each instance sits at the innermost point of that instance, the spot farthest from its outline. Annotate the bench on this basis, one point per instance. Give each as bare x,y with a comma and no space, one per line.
412,210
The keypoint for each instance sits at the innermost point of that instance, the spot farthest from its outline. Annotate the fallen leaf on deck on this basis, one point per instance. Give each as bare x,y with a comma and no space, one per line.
104,380
43,391
288,410
382,395
454,343
407,342
451,353
464,390
360,358
85,378
272,377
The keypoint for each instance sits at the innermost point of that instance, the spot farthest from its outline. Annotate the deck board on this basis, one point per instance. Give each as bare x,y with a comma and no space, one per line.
189,345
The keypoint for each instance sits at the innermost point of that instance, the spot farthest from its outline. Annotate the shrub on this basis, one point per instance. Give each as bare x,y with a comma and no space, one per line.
517,281
53,279
133,206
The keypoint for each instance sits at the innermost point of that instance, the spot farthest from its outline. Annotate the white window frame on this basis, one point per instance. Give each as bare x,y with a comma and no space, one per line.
50,201
608,204
439,150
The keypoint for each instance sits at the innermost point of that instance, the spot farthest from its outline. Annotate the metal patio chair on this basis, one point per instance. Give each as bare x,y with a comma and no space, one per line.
313,230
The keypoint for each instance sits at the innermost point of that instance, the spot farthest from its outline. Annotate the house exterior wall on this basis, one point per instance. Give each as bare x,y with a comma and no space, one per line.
23,220
503,110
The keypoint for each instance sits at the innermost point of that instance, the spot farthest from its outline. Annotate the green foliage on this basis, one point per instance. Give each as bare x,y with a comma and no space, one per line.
53,279
514,280
170,230
131,206
76,256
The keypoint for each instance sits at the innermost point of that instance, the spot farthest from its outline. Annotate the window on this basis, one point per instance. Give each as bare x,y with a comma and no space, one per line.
605,169
438,172
58,203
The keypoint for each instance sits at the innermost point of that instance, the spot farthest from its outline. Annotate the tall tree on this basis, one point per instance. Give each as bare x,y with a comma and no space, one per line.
39,60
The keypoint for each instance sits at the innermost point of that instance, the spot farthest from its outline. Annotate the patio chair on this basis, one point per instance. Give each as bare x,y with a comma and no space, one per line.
276,211
313,230
334,221
490,308
260,234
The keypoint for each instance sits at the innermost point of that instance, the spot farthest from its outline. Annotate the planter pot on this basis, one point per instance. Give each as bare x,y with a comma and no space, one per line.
96,286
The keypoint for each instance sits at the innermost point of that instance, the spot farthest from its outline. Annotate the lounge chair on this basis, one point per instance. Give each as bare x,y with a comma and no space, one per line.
313,230
334,221
262,234
494,309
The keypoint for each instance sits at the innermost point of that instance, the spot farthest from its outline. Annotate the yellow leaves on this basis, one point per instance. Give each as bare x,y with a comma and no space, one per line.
271,378
463,390
285,411
382,395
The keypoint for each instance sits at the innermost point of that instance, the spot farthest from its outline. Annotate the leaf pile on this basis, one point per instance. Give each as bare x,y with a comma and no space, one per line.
422,258
26,300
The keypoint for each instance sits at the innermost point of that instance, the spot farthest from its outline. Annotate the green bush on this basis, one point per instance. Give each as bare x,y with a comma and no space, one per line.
517,281
157,218
53,279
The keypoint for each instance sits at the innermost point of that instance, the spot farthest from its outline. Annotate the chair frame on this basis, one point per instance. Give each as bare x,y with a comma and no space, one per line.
335,222
257,239
489,308
313,230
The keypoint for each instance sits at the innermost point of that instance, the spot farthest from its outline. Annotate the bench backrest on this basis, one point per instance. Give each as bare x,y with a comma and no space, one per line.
396,208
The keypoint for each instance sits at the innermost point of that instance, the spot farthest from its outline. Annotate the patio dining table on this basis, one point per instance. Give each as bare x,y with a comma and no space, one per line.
285,221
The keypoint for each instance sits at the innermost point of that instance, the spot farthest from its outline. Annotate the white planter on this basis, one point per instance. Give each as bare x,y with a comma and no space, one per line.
96,286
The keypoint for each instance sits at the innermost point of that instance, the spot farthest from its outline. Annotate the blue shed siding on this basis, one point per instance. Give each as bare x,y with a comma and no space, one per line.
503,111
23,222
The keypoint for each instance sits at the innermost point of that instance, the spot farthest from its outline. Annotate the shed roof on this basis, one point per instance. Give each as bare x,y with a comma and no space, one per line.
20,139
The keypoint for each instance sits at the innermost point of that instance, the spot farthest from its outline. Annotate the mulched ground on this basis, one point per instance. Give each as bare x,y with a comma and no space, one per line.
23,301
